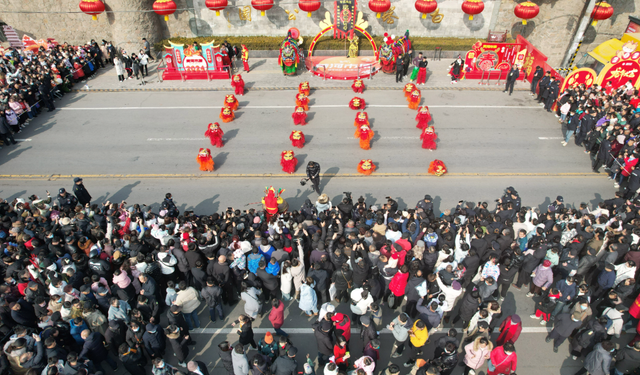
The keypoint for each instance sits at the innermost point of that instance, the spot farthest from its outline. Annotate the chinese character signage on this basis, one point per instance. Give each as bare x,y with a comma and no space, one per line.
344,19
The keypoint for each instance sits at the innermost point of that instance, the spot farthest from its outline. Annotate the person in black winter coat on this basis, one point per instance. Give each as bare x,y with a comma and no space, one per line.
468,308
513,75
361,266
81,192
5,132
324,339
447,361
537,75
178,341
224,352
412,293
23,313
115,336
35,361
285,365
368,331
154,341
95,350
133,359
507,274
343,281
586,338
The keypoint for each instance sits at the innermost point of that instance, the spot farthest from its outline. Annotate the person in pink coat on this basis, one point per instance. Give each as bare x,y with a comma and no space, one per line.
397,285
504,360
476,353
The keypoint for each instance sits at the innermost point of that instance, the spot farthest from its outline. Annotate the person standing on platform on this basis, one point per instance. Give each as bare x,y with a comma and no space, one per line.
513,75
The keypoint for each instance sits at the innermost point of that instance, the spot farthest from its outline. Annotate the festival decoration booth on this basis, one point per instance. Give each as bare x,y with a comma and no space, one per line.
348,23
186,63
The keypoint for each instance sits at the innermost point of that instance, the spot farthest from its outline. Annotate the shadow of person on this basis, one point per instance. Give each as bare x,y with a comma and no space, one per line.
207,206
219,159
123,193
327,176
229,135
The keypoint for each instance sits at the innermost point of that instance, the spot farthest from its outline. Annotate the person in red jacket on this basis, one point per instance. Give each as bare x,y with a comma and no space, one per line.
504,360
341,353
343,325
397,286
276,316
629,165
510,330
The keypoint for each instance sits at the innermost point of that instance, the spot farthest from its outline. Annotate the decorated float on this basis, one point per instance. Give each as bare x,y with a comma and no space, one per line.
185,62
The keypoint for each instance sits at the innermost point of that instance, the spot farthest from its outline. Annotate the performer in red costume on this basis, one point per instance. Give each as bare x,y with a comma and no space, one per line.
357,103
231,102
423,117
358,86
366,167
215,134
362,118
437,168
245,57
297,138
302,101
429,137
227,115
270,203
205,160
414,99
238,84
299,116
408,89
288,161
364,134
304,88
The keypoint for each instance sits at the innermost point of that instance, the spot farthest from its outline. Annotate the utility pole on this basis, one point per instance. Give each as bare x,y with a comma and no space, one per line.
579,35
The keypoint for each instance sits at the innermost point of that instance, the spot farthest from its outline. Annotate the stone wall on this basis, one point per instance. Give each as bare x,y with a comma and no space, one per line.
611,28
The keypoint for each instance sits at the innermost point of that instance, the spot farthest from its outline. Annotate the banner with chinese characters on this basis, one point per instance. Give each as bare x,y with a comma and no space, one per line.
491,57
344,19
623,68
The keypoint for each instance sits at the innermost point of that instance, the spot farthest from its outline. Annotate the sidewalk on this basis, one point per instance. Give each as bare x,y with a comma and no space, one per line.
266,75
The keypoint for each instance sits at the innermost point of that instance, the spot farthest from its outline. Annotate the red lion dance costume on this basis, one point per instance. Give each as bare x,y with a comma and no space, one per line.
366,167
408,89
288,161
299,116
215,134
205,160
297,139
357,103
230,101
227,115
429,137
414,99
362,118
245,57
238,84
302,101
304,88
423,117
358,86
271,201
437,168
364,134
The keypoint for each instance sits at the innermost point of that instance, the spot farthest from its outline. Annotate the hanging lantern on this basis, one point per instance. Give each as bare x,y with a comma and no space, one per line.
472,7
308,6
216,5
92,7
262,5
426,6
379,6
165,8
526,11
601,12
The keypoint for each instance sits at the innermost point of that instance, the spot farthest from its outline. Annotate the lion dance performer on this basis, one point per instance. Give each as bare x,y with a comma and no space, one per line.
423,117
414,99
288,57
408,89
215,134
245,58
302,101
231,102
437,168
205,160
429,137
357,103
358,86
304,88
238,84
299,116
297,139
366,167
364,134
227,115
272,201
288,161
362,118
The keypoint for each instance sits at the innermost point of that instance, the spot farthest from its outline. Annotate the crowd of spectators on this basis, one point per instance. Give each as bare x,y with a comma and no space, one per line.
91,283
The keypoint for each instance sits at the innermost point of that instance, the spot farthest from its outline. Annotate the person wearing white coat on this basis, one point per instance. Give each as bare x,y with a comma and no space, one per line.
626,270
286,280
119,68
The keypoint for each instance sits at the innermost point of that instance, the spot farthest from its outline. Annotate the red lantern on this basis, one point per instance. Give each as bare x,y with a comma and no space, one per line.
262,5
379,6
526,11
472,7
216,5
309,6
601,12
165,8
92,7
426,6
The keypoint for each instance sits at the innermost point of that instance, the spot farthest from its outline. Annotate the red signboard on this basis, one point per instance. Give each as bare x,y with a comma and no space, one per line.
632,27
622,72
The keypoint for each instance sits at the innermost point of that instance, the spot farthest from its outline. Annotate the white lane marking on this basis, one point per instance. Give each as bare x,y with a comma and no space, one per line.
291,107
23,140
227,331
550,138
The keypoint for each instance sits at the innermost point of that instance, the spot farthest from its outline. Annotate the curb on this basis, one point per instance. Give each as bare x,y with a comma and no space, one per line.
229,89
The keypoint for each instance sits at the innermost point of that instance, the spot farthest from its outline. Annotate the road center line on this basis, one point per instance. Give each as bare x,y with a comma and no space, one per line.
549,138
292,107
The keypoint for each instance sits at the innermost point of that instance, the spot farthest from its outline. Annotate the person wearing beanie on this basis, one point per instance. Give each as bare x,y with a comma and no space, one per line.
510,330
542,278
267,346
154,341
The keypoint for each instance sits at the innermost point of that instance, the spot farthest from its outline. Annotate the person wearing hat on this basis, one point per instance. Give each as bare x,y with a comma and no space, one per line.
323,204
286,365
178,341
268,347
154,341
66,200
81,192
564,325
542,278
